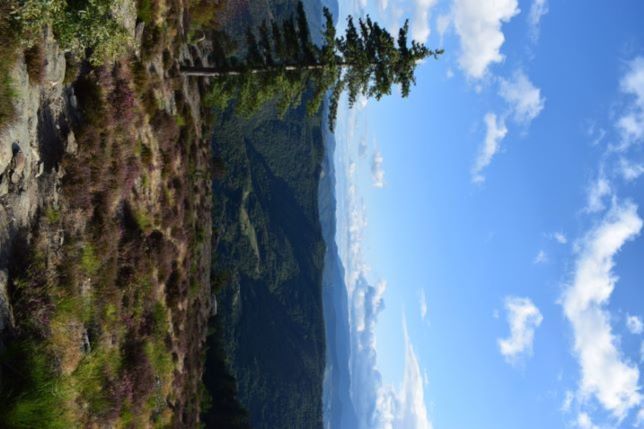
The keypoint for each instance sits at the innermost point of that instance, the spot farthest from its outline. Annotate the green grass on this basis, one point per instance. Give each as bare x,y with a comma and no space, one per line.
43,397
89,260
92,375
52,215
143,221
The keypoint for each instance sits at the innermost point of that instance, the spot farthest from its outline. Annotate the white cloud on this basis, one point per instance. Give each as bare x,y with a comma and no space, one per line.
442,24
584,421
596,133
560,237
634,325
412,412
495,132
377,172
420,21
604,373
524,318
597,192
631,123
537,10
630,171
639,420
423,304
478,24
541,258
567,402
633,81
523,97
404,408
366,305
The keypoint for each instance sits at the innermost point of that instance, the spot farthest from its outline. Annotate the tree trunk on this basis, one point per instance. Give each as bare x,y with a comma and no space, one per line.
214,72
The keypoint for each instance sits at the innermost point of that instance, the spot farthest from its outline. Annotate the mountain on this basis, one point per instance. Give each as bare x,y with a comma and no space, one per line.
268,355
270,252
339,412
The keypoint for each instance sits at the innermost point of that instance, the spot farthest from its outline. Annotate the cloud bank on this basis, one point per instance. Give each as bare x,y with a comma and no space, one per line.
405,407
478,25
605,374
524,318
366,305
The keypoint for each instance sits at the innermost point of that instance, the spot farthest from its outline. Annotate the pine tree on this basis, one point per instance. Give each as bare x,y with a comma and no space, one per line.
365,61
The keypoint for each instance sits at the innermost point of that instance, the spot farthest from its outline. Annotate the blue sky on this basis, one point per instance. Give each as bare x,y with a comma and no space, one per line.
495,216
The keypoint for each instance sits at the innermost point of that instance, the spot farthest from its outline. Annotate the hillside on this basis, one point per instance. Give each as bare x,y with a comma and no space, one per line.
105,205
269,249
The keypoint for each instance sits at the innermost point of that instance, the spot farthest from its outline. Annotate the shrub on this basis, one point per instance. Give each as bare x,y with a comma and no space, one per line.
78,26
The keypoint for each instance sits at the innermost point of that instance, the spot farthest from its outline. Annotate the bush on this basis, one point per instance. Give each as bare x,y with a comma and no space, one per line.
78,26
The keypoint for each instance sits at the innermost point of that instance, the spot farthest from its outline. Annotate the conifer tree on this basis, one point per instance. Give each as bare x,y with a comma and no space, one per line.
366,60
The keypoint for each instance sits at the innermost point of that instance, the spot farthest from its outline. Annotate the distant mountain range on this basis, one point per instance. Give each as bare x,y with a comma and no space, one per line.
339,412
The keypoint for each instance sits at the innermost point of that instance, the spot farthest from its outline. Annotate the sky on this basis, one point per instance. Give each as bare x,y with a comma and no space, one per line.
491,223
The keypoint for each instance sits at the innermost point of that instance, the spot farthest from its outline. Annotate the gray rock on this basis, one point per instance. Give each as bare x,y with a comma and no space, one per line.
6,154
6,315
17,166
213,305
4,185
86,347
71,146
138,38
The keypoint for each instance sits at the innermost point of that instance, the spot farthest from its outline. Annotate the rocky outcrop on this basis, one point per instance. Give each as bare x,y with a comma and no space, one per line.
30,148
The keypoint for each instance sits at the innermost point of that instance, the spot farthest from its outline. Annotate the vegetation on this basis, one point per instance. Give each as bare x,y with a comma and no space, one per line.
85,29
366,61
9,51
110,289
267,265
79,26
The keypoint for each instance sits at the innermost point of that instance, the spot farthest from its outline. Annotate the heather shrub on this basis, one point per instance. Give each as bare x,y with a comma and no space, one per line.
35,61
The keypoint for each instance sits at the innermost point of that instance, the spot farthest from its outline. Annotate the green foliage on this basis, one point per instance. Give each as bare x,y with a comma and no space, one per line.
273,170
78,26
145,11
52,215
89,260
143,221
95,372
